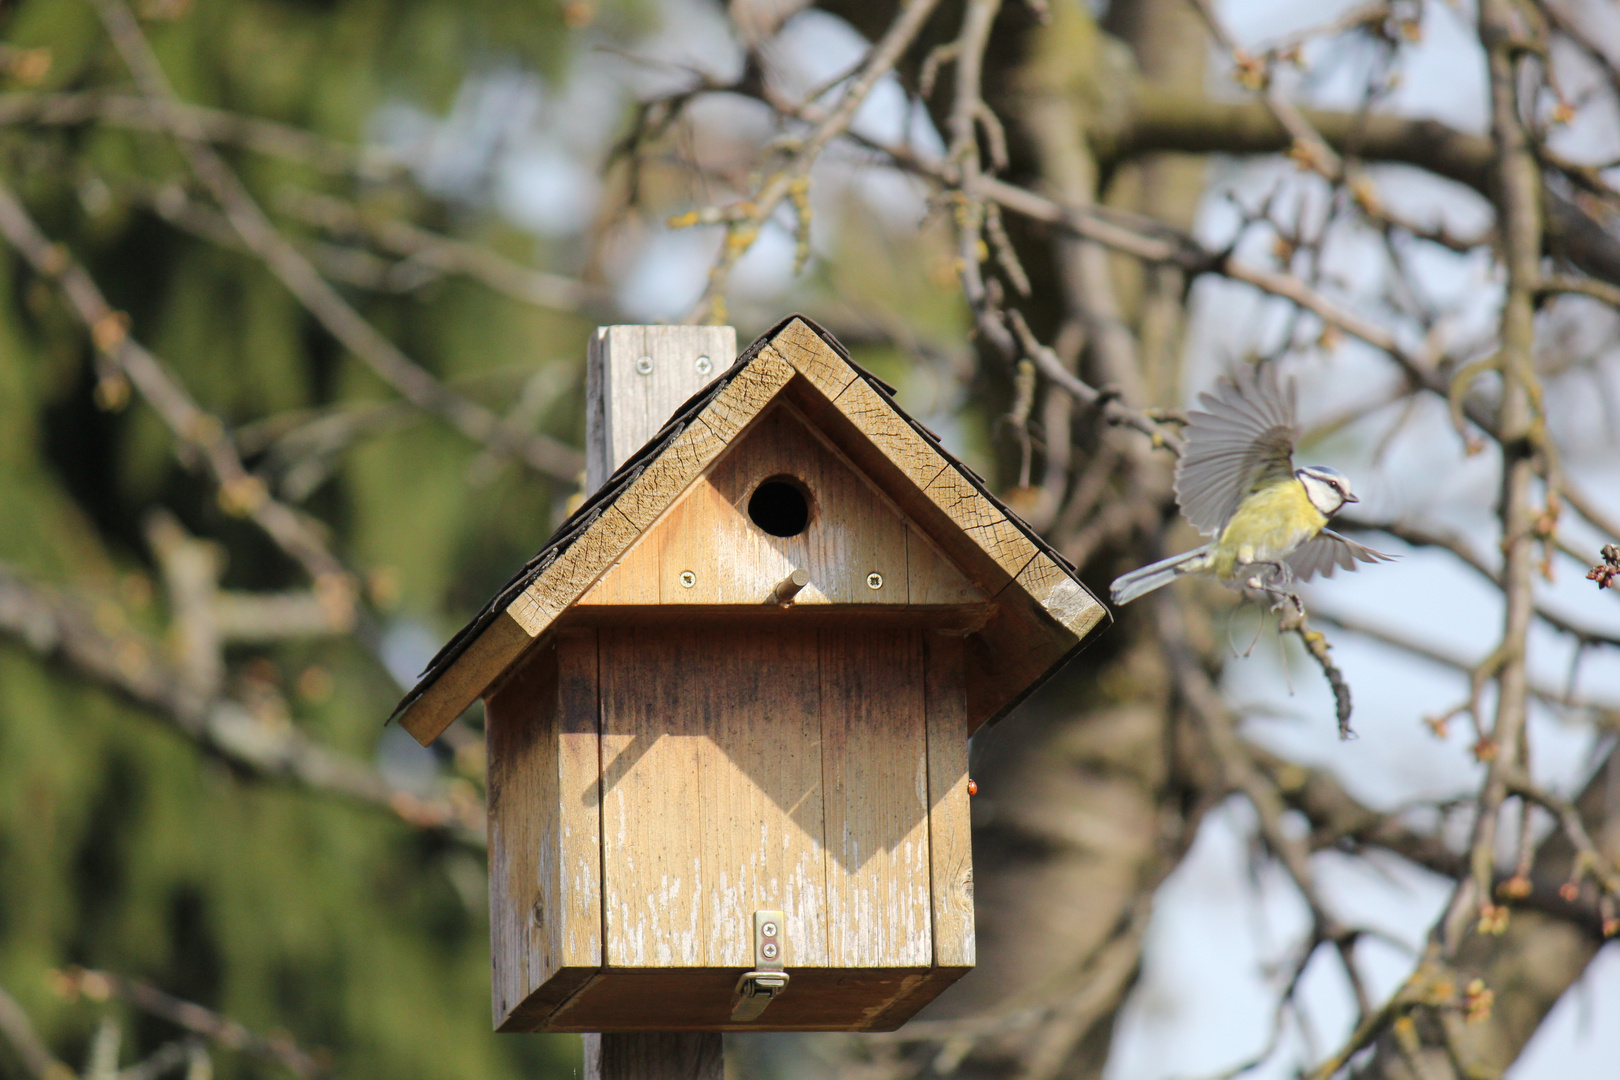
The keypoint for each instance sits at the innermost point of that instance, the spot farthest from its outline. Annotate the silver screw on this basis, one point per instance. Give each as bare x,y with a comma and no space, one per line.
874,580
769,929
644,365
704,365
768,950
688,579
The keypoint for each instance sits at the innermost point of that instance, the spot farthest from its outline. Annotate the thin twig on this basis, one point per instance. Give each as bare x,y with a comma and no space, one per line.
101,985
61,628
744,220
196,429
18,1030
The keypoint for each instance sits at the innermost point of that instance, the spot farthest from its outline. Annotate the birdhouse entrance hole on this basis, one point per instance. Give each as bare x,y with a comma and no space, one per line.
780,506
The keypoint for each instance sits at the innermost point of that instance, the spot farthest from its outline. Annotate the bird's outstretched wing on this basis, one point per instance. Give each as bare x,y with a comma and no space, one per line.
1243,434
1330,551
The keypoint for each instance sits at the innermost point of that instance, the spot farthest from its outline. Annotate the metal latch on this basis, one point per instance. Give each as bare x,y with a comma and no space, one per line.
758,988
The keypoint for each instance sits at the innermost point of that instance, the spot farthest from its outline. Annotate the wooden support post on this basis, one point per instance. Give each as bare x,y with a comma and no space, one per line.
635,379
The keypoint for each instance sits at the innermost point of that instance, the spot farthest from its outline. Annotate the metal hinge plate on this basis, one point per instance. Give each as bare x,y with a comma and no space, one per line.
758,988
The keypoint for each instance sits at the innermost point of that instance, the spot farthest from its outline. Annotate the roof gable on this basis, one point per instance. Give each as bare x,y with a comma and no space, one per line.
857,547
1040,611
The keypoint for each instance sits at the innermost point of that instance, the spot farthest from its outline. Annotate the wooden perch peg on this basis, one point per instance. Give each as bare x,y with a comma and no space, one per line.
789,587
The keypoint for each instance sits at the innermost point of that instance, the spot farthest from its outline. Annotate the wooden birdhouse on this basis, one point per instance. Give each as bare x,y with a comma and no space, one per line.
728,709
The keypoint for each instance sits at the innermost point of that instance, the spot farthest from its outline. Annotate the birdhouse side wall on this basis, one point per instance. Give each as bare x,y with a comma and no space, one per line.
545,864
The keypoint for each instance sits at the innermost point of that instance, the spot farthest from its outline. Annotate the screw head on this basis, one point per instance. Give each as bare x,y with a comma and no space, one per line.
688,579
768,950
644,365
704,365
768,929
874,580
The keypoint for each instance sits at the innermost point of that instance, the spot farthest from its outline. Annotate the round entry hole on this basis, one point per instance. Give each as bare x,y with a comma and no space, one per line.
780,506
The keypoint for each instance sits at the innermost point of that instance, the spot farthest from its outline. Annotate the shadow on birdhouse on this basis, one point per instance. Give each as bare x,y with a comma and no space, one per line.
728,708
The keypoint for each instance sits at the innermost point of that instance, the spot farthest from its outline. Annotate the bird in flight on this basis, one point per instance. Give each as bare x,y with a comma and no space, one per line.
1236,482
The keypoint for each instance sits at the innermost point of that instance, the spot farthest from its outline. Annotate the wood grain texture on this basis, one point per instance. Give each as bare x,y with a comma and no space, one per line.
712,806
854,531
699,999
931,576
760,778
580,565
625,407
810,356
950,834
976,515
663,481
1064,599
1020,646
655,1055
875,769
746,395
874,418
501,643
544,837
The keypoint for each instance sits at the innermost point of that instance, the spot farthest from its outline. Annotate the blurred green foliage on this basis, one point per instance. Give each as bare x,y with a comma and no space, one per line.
122,847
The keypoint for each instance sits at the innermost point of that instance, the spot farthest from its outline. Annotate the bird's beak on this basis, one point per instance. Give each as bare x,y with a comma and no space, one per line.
1351,498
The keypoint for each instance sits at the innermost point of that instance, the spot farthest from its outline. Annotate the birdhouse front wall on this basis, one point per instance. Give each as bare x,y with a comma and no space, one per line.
819,771
785,770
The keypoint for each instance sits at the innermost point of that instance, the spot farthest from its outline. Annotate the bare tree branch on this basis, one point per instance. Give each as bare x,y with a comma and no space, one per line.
280,1049
302,279
59,628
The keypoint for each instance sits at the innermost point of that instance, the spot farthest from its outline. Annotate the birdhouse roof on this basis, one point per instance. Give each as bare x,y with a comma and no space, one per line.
1037,613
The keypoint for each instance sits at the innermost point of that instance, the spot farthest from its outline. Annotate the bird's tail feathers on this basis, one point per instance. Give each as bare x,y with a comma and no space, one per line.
1128,587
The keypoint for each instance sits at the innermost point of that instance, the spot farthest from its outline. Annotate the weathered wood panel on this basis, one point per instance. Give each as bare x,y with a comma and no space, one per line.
1049,585
873,417
699,999
760,778
746,395
617,423
931,577
812,358
978,517
950,832
874,754
652,822
712,800
544,841
854,532
455,689
579,775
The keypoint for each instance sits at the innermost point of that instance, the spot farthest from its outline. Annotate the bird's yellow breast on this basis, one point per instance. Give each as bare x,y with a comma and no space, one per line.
1268,525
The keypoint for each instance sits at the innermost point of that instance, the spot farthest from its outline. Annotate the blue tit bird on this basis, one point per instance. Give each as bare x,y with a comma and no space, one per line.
1236,482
